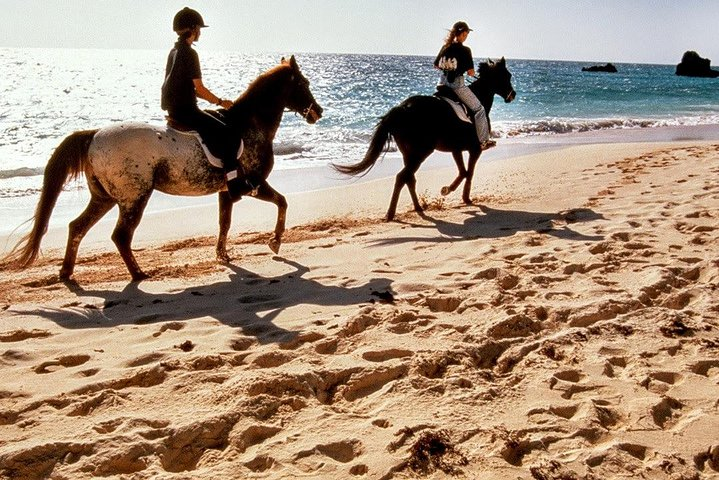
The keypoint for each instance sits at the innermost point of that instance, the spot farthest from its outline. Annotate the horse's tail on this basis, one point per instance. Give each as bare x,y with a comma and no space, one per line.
377,147
66,163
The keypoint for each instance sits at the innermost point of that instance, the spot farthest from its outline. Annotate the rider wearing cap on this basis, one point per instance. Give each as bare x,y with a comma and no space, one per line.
183,84
454,60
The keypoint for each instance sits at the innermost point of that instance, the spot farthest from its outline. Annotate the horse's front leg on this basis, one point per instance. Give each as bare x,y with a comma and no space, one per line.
471,163
269,194
461,174
225,204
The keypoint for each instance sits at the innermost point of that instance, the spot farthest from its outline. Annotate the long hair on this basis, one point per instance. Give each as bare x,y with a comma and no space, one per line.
451,37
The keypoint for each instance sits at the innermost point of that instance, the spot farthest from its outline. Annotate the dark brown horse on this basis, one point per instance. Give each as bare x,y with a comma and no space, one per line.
124,163
423,124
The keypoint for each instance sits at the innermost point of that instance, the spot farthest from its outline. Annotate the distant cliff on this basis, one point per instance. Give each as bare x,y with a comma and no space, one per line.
692,65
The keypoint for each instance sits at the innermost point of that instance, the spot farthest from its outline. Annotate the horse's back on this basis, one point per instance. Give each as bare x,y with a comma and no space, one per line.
143,139
139,157
428,122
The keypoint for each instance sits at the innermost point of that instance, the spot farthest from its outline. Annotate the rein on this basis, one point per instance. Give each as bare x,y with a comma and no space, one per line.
304,113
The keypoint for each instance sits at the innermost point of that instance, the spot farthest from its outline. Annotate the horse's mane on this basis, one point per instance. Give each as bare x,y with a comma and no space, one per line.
264,82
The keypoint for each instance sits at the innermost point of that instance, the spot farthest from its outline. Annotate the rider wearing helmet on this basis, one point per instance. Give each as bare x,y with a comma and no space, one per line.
454,60
183,84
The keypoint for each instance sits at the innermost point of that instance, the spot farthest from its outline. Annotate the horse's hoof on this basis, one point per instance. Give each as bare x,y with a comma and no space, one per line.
468,201
445,191
223,257
274,245
139,276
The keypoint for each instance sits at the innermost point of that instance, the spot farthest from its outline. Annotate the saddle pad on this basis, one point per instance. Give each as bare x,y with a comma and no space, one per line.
214,161
459,109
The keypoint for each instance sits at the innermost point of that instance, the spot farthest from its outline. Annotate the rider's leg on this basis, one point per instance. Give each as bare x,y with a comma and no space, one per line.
480,116
218,139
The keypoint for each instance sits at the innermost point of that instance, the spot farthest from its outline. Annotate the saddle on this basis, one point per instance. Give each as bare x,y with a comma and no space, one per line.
186,130
449,96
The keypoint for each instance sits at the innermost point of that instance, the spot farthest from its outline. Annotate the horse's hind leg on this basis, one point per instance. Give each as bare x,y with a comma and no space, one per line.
99,205
461,175
130,216
225,204
405,177
267,193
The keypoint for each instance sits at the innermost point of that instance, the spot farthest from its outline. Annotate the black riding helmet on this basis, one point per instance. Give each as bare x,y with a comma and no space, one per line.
187,18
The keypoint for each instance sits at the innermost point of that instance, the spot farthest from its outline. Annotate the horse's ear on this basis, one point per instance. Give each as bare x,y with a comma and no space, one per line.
283,61
502,61
293,62
490,61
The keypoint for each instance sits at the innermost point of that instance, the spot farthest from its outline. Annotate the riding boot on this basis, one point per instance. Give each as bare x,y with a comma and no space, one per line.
238,183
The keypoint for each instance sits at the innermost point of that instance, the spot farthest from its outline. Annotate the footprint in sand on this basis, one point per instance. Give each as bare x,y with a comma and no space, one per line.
705,368
169,326
20,335
254,435
385,355
271,359
381,423
630,455
550,414
666,413
567,382
145,359
343,452
260,463
62,362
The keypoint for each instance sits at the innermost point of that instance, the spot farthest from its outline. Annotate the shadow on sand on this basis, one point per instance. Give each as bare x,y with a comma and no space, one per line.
495,223
247,301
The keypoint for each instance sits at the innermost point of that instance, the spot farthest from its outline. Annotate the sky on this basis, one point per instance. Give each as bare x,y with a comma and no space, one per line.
642,31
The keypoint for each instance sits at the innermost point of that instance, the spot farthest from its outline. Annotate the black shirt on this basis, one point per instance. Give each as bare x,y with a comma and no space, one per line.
183,66
454,60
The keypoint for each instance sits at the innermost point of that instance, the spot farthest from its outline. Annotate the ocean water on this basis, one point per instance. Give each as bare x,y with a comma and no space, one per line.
46,94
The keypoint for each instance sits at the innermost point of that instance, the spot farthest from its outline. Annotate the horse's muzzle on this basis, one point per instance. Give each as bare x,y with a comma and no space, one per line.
312,113
511,96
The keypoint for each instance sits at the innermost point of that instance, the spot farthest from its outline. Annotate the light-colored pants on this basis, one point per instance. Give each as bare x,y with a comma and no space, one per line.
480,117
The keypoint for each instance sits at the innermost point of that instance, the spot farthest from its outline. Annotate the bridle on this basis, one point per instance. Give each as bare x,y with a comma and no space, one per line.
307,110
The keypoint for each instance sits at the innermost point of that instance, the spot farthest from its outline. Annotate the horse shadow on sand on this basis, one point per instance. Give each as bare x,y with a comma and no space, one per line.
489,222
246,301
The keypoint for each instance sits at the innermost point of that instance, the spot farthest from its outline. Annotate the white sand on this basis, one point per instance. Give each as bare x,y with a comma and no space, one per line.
565,326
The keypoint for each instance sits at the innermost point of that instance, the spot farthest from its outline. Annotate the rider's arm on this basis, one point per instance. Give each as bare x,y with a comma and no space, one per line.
202,92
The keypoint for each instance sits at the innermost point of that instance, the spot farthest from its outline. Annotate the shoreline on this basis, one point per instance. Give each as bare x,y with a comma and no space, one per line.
321,178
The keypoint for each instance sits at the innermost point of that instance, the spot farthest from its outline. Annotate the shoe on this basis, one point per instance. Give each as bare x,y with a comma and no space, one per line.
486,145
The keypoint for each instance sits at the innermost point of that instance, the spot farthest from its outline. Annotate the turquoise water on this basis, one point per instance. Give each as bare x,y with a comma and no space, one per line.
48,93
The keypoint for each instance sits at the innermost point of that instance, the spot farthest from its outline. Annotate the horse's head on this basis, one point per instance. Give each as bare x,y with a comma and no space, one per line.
300,98
495,79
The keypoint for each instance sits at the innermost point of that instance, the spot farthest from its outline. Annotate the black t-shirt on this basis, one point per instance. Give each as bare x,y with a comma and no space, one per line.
183,66
454,60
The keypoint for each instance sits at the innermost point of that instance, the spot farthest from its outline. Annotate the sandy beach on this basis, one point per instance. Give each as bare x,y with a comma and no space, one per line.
564,326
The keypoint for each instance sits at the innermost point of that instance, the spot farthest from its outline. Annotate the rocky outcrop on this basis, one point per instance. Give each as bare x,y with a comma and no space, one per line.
609,68
692,65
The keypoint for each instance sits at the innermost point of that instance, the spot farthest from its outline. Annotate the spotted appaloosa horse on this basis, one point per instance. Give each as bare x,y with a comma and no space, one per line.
124,163
422,124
